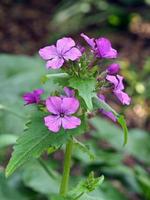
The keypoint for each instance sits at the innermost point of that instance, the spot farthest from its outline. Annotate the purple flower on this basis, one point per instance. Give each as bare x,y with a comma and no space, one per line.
101,47
104,49
33,97
62,110
106,113
117,81
113,69
69,92
63,51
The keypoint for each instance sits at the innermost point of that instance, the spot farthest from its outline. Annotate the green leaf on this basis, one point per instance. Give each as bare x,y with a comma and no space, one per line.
98,103
37,178
84,148
36,139
108,131
7,139
86,186
85,88
122,122
9,191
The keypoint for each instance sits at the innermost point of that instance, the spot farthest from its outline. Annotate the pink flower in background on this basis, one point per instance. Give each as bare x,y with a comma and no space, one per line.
117,81
62,110
101,47
33,97
69,92
63,51
113,69
106,113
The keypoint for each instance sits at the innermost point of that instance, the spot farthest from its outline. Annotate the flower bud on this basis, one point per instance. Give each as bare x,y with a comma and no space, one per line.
113,68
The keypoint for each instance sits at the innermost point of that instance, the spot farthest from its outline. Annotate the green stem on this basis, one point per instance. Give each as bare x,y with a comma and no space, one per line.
66,170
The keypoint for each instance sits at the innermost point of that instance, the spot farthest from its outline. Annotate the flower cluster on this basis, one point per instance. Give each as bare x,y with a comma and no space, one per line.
77,61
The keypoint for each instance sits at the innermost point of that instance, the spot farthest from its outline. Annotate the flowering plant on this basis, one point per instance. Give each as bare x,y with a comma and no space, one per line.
87,78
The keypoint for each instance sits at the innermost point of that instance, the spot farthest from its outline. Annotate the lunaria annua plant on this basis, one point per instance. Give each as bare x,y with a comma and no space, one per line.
88,78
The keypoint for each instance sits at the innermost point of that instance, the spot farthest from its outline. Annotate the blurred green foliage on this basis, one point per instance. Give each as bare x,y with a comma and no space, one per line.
102,16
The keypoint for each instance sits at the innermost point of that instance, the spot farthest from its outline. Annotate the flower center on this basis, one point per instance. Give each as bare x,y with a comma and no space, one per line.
62,115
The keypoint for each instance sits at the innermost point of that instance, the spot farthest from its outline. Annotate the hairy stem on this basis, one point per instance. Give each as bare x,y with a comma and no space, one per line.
66,170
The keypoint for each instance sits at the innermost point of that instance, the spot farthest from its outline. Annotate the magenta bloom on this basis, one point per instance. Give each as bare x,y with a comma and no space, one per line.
107,113
117,81
63,51
33,97
69,92
62,110
101,47
113,69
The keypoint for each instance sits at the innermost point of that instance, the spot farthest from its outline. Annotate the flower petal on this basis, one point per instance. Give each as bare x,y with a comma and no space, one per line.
53,104
48,52
112,79
72,54
70,122
69,105
53,123
55,63
104,48
123,97
90,41
65,44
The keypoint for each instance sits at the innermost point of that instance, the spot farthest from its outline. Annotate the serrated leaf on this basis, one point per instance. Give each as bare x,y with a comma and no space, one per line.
122,122
85,88
36,139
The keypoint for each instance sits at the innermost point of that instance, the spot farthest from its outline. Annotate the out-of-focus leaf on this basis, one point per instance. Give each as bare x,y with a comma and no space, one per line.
7,192
139,145
108,131
84,148
7,139
35,177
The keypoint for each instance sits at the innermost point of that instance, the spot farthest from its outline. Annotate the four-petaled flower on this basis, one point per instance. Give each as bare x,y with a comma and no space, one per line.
117,81
101,47
33,97
63,51
62,110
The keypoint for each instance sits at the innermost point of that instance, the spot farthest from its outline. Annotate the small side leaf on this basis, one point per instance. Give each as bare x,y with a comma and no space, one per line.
86,186
122,123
